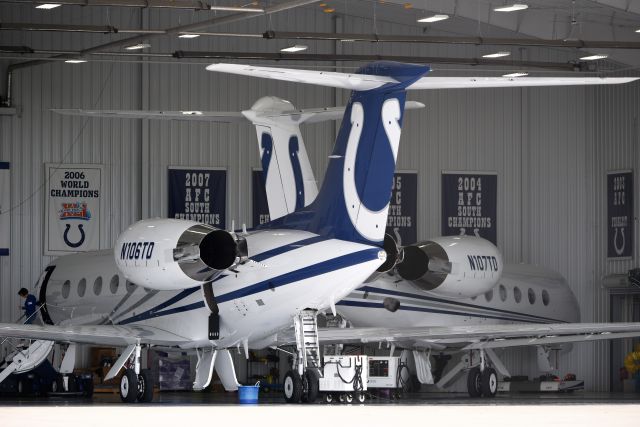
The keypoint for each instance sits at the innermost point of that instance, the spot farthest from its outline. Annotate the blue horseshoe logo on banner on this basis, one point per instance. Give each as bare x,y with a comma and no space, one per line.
66,237
294,147
619,250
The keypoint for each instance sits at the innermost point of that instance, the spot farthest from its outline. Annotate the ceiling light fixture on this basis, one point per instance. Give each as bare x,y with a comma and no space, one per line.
192,113
497,54
434,18
188,36
48,6
593,57
75,61
296,48
511,8
138,46
515,75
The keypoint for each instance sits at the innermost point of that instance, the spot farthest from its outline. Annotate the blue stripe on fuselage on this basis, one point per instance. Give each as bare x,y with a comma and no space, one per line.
303,273
430,310
272,283
446,301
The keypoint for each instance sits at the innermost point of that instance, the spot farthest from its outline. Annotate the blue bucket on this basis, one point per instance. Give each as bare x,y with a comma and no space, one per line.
248,393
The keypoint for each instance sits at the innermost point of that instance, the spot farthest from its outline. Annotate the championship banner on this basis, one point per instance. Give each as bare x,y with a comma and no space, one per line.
259,198
72,222
5,215
469,204
620,214
198,194
403,208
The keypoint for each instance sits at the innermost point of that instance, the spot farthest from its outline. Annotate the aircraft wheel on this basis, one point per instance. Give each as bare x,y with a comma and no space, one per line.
129,386
474,382
292,387
310,387
489,383
145,386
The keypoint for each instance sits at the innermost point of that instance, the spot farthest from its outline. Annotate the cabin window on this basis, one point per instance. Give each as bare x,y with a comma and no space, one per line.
115,281
488,295
82,287
503,293
531,295
545,297
517,294
130,287
66,289
97,286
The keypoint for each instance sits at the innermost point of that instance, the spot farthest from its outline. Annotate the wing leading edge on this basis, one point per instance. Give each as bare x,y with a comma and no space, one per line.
94,334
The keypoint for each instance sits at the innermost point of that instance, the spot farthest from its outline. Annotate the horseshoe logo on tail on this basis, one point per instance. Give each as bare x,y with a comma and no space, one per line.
65,236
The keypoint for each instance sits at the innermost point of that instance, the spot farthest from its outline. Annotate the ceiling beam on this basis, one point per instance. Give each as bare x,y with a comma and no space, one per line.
167,4
175,30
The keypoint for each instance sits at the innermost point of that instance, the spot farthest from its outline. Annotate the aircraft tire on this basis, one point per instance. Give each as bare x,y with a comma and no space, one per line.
145,386
129,386
292,387
489,383
474,382
311,387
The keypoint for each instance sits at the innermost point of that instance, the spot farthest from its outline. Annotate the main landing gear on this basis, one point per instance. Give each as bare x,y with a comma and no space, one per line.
482,383
482,367
301,384
136,385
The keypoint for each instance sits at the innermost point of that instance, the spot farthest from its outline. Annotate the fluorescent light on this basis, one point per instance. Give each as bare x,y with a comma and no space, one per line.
347,40
138,46
192,113
594,57
434,18
638,30
515,75
48,6
511,8
497,54
75,61
188,36
296,48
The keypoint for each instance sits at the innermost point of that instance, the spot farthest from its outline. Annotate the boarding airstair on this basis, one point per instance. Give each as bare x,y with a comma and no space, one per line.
307,341
23,356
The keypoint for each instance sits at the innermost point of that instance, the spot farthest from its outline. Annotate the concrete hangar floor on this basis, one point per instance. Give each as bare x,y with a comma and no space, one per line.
174,408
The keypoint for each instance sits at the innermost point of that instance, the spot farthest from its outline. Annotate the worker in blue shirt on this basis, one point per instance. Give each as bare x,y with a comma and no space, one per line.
30,305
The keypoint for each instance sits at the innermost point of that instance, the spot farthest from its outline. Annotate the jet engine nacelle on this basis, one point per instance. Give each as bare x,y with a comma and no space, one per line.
452,266
171,254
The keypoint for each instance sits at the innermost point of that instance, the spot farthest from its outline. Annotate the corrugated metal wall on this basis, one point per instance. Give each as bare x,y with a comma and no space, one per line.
550,147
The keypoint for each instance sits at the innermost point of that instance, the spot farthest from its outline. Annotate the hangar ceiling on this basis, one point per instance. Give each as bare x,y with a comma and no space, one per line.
576,28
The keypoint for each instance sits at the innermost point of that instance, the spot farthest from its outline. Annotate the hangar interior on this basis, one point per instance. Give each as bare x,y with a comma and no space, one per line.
550,147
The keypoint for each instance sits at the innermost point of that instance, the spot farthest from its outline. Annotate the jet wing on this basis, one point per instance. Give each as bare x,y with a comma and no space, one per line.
483,336
202,116
363,82
93,334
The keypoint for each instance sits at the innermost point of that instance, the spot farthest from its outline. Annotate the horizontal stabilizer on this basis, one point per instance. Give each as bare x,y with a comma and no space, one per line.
363,82
204,116
322,78
495,82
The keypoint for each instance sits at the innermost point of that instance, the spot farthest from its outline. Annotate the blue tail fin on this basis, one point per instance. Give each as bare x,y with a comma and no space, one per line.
353,201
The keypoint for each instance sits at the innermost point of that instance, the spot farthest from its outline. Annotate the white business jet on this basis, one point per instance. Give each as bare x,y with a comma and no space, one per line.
191,286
